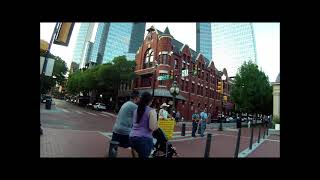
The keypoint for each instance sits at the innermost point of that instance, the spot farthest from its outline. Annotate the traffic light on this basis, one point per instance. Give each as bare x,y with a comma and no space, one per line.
64,33
195,68
171,74
220,87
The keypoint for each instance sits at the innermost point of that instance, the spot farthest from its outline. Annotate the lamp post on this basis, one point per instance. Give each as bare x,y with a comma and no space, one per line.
154,78
223,78
174,90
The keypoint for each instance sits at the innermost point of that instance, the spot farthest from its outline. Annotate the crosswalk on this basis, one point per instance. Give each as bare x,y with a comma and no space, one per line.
104,114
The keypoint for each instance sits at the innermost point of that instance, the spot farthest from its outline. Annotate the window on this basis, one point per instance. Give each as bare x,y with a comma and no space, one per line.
164,58
192,88
187,88
176,64
207,78
148,60
198,89
146,80
182,85
160,81
199,105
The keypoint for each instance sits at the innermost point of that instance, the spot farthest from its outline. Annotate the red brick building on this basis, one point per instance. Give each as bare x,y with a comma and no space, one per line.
196,91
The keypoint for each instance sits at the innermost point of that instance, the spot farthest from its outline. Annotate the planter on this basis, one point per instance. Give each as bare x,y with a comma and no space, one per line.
277,127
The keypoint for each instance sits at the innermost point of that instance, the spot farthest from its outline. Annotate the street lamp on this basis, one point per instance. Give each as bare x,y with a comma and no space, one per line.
174,90
223,78
154,77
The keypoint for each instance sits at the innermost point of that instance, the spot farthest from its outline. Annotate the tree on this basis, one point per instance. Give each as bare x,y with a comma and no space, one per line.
252,91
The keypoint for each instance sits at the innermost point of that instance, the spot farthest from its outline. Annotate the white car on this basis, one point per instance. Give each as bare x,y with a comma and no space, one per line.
99,106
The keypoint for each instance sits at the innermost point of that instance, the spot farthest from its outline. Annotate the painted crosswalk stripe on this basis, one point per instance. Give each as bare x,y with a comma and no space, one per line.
91,113
109,114
78,112
105,115
64,110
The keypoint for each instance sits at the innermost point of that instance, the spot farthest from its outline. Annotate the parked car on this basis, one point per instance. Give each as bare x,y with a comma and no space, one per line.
89,105
99,106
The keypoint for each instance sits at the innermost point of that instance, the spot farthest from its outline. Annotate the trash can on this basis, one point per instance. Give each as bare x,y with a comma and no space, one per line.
48,104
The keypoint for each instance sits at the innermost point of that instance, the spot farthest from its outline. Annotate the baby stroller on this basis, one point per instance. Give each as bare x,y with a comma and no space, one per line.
160,147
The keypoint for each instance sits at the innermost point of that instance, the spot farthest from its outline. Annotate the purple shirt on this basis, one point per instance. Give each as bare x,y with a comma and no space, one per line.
142,129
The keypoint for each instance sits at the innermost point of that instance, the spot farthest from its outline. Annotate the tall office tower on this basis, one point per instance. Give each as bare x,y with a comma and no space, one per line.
233,43
204,39
117,39
84,36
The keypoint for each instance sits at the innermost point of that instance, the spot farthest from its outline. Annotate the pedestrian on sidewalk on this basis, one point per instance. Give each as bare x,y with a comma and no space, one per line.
163,113
144,123
123,124
195,122
203,121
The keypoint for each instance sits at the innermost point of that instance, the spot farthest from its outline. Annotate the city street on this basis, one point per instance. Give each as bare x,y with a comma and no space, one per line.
73,131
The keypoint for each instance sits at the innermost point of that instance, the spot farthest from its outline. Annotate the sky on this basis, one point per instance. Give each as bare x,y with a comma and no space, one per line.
267,36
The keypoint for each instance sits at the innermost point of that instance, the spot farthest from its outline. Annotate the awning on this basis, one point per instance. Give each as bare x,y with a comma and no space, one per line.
159,92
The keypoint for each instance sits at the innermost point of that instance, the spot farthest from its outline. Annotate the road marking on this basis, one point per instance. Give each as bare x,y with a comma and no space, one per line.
273,140
106,134
78,112
109,114
64,110
91,113
105,115
247,151
192,138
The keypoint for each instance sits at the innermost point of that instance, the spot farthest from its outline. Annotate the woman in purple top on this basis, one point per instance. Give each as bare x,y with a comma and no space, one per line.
144,123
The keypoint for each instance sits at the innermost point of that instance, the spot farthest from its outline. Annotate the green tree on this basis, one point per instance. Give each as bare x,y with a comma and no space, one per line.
252,91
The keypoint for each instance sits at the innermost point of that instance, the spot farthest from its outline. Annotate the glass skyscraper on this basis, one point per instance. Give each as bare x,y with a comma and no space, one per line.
233,43
204,39
84,36
117,39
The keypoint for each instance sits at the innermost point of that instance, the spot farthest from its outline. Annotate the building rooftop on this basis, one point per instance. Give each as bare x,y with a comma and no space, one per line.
177,45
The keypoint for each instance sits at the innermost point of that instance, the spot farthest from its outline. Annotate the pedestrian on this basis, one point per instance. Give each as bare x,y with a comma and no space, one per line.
123,124
178,116
163,112
195,122
203,121
144,123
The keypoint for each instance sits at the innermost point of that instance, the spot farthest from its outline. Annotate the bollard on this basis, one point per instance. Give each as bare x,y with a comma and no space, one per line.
238,144
251,138
208,144
267,130
220,125
183,131
113,149
264,133
259,134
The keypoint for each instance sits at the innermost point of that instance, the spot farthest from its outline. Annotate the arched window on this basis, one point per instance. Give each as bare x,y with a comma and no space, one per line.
148,58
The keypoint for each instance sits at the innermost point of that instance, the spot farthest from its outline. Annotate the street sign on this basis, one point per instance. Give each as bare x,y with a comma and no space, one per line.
184,72
165,77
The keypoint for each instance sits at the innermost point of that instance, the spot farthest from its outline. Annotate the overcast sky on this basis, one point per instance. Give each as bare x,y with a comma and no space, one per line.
267,42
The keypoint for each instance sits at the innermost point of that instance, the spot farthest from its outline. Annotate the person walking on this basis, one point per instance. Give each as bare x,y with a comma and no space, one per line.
123,124
144,123
203,121
195,122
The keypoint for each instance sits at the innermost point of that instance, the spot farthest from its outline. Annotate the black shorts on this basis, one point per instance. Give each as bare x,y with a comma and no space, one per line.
122,139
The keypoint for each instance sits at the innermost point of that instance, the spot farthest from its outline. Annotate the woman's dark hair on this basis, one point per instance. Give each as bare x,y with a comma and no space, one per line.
145,99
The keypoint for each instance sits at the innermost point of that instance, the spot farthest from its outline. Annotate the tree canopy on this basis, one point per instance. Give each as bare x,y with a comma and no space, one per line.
252,91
